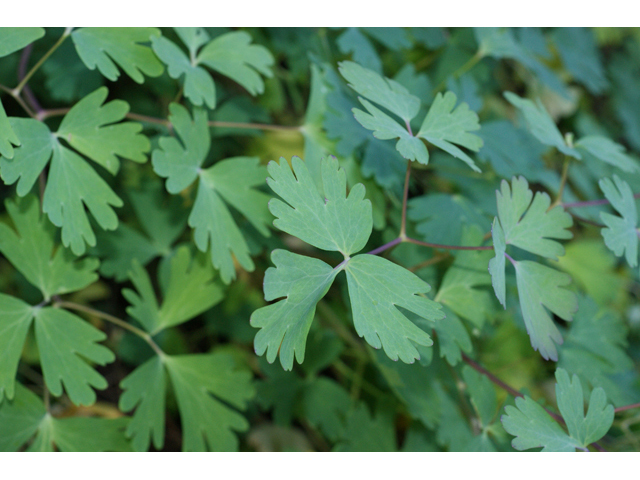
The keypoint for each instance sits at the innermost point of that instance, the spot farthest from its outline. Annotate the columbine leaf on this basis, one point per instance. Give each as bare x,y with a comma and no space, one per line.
13,39
482,393
540,124
80,434
443,126
353,41
8,138
144,388
285,325
198,84
579,52
210,389
585,429
530,225
621,234
365,433
232,55
88,127
376,288
191,291
608,151
31,250
533,427
64,342
385,128
15,319
385,92
97,47
335,222
71,185
538,287
232,179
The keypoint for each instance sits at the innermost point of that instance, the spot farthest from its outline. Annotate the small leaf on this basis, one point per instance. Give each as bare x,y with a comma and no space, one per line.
443,126
97,47
8,137
608,151
497,263
64,342
15,320
232,55
88,127
540,124
621,234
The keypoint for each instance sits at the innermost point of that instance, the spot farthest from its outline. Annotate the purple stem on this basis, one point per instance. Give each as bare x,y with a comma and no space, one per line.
22,71
513,262
386,246
590,203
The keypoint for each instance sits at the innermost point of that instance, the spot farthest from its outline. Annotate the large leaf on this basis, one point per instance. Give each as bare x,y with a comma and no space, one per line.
16,38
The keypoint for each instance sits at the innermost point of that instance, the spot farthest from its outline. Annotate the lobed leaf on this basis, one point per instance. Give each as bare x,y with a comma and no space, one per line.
13,39
8,137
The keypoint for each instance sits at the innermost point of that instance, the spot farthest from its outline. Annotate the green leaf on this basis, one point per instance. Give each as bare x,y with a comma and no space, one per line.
497,263
324,405
198,84
232,55
285,324
71,185
192,37
366,433
15,320
443,126
531,225
538,287
453,338
101,47
533,428
30,159
88,127
13,39
180,163
210,389
335,222
482,393
64,342
31,249
233,180
7,136
377,287
385,128
19,418
608,151
540,124
80,434
580,55
144,388
621,234
385,92
191,290
353,41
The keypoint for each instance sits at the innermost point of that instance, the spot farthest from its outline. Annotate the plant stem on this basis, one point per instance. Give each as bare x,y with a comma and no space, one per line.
403,225
19,100
115,320
563,182
386,246
34,69
627,407
432,261
255,126
446,247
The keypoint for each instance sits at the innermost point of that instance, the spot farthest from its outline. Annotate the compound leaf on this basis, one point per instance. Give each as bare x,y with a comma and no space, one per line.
334,222
198,84
530,225
88,127
144,390
64,342
621,234
210,389
101,47
232,55
385,92
8,137
13,39
377,287
540,124
285,324
443,126
540,286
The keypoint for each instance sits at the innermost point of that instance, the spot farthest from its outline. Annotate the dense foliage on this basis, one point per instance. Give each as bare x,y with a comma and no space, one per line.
179,206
